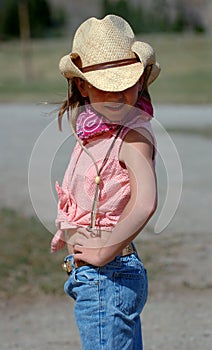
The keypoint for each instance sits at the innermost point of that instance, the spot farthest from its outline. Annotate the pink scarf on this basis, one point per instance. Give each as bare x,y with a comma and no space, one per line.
91,124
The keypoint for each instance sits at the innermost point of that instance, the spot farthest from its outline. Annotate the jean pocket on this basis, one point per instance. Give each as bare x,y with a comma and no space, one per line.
85,275
69,287
81,281
131,289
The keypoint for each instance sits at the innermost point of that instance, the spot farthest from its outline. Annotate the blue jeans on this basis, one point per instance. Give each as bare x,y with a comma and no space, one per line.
108,303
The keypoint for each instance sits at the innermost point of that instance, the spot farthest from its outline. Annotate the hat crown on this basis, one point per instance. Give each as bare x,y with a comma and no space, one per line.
98,41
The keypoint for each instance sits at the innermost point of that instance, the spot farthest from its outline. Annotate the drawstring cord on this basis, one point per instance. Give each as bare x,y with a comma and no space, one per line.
98,170
98,180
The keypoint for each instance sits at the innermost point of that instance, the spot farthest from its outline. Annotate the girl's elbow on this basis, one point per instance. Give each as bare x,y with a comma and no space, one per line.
154,208
155,204
151,208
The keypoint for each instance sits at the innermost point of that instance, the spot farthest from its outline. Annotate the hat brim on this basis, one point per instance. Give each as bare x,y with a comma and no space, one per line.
116,78
111,79
146,55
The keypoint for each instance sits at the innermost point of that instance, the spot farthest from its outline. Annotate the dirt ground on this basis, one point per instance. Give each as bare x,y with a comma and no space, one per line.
178,314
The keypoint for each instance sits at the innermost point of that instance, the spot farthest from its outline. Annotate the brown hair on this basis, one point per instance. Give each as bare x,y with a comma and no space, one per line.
73,101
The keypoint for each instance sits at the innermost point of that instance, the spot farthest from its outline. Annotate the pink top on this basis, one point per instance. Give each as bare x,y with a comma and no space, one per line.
77,192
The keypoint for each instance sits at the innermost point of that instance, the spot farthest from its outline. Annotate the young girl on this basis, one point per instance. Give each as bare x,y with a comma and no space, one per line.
109,188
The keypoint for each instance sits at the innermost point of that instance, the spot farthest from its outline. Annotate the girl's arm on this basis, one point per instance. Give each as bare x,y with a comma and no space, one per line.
136,153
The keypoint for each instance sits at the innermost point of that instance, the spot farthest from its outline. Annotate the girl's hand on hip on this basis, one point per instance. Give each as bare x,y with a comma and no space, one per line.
88,255
87,247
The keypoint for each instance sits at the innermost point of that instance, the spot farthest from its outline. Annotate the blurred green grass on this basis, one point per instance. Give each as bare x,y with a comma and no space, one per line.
186,75
27,266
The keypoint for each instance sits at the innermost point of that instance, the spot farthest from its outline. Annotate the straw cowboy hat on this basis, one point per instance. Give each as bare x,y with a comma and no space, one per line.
106,54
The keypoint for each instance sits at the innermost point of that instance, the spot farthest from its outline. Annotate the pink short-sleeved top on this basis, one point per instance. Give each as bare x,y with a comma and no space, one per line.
77,192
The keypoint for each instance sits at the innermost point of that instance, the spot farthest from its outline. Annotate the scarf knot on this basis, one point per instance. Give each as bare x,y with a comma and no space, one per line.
91,124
